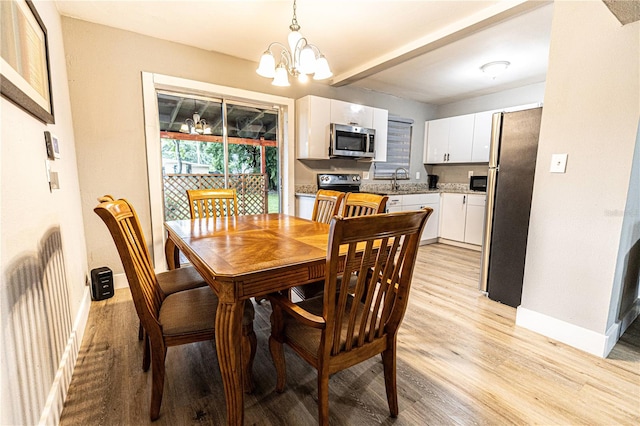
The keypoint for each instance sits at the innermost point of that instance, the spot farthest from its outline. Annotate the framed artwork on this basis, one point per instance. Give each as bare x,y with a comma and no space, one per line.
24,59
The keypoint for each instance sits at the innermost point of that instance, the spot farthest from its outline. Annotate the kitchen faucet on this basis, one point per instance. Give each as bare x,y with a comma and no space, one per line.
394,181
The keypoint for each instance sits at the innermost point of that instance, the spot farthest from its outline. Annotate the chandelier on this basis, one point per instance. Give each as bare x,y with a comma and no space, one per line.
195,125
302,60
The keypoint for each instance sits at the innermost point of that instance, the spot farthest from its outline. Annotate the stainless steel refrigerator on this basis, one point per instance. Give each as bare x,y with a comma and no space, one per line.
512,163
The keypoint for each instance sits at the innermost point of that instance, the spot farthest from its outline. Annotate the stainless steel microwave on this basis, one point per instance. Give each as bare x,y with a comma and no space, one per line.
352,141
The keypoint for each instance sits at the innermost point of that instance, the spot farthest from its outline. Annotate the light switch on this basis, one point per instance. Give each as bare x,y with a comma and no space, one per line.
417,175
558,163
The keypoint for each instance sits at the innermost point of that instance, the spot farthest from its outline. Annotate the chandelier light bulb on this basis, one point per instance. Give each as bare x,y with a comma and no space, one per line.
281,79
267,67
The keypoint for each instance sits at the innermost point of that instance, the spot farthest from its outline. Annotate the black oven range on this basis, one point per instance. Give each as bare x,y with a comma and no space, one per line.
344,182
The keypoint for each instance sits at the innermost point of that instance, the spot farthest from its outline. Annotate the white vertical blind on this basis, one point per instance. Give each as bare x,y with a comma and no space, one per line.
398,147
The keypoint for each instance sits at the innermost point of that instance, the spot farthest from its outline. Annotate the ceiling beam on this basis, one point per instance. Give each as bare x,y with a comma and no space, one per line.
447,35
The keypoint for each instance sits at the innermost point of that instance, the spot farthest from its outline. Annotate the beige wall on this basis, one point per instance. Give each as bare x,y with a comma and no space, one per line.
42,254
591,113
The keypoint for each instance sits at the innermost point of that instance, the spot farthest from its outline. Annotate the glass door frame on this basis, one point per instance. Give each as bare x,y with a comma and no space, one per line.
151,83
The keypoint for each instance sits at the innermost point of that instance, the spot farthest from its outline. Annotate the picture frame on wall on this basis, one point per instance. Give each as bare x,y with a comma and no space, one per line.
25,77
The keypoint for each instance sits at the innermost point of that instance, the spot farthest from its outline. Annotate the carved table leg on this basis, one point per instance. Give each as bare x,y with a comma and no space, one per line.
228,331
171,254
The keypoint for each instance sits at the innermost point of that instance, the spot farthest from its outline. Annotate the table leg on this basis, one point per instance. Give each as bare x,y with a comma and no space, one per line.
228,331
171,254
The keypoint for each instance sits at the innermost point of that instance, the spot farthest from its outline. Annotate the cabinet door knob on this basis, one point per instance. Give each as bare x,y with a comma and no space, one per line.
444,157
464,199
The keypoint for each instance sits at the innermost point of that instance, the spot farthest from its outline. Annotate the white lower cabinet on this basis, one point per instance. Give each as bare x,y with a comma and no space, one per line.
474,224
304,205
462,217
454,210
397,203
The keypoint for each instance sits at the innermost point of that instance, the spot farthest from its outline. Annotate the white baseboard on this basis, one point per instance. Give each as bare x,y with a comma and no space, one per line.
120,281
460,244
580,338
58,392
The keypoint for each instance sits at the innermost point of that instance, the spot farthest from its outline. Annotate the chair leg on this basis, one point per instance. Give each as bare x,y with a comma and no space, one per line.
140,331
389,364
146,354
158,354
276,348
248,353
323,398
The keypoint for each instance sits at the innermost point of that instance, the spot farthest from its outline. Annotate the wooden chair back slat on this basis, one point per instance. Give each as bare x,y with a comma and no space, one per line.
217,202
326,205
124,226
363,204
380,254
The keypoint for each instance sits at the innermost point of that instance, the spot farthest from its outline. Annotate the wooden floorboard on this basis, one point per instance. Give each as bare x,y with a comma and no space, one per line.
461,361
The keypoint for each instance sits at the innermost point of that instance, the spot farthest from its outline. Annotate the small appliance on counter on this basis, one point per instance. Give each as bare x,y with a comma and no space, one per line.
433,181
478,183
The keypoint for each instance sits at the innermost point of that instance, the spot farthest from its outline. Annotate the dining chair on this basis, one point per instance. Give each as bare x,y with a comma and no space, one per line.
326,205
183,317
170,282
337,330
213,202
363,204
355,204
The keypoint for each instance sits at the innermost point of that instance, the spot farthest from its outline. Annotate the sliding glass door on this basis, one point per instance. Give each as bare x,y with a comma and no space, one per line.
219,143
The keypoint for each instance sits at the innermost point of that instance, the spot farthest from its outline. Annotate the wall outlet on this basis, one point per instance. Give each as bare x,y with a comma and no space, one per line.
470,173
558,163
365,175
417,175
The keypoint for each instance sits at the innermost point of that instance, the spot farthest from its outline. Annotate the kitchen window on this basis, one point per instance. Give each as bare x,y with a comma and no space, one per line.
398,148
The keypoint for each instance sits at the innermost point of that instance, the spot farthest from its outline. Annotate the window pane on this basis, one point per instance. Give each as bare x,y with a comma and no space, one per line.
193,149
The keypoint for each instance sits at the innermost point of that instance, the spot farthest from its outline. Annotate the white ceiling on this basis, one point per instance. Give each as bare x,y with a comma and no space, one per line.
424,50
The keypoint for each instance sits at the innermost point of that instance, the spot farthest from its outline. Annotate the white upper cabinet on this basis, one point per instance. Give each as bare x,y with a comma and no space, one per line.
313,116
482,137
460,138
449,140
436,142
381,124
351,114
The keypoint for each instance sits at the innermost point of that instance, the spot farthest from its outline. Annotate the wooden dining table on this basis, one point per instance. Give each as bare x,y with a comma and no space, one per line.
242,257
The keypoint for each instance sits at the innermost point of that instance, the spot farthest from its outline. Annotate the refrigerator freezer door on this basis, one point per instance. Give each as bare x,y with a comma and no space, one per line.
488,222
512,205
494,147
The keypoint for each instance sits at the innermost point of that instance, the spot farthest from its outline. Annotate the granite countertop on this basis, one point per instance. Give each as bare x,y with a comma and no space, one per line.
405,189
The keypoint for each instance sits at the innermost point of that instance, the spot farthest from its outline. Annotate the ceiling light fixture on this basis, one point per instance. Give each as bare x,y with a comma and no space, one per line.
494,69
195,125
302,60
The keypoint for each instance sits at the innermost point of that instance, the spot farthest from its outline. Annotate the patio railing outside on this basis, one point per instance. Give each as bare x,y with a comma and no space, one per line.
251,188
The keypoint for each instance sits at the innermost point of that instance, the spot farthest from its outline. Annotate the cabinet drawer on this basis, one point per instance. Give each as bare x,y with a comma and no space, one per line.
409,199
477,200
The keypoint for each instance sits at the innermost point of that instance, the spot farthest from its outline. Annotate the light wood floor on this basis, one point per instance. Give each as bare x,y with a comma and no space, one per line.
461,361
